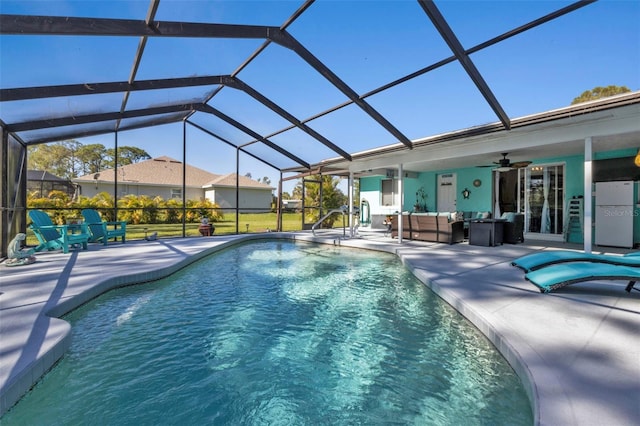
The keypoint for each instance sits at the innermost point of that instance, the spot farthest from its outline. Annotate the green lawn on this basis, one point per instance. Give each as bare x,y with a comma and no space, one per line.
248,222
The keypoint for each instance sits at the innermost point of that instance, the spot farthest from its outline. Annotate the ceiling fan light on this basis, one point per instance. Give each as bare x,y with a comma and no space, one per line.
503,169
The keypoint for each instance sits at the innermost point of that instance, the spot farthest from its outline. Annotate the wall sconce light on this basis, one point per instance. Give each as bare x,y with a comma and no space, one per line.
637,159
466,193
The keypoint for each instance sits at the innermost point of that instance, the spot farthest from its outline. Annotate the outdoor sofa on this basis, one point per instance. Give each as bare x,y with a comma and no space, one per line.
434,227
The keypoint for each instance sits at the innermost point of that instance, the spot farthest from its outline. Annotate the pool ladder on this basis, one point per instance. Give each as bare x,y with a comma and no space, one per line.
344,210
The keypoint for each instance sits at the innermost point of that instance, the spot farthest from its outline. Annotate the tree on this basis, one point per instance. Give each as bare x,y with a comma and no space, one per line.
92,158
332,196
265,180
126,155
59,158
70,158
600,92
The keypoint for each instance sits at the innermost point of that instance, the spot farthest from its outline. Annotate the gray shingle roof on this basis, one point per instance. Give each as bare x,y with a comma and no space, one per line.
230,180
168,171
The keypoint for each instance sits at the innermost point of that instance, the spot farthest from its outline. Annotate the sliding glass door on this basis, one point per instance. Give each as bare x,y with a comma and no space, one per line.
542,190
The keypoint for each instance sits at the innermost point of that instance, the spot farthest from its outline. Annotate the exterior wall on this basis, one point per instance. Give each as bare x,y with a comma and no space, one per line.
251,200
90,190
479,200
481,197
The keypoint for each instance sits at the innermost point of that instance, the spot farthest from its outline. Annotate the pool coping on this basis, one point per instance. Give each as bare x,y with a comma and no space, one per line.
586,323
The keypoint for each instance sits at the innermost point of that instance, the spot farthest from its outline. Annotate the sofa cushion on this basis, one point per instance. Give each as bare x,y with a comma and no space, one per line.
508,216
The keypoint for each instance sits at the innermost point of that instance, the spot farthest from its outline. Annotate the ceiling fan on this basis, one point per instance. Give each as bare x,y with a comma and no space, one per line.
504,164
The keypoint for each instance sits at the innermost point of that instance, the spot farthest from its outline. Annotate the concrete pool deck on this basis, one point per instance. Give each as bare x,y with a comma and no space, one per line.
577,350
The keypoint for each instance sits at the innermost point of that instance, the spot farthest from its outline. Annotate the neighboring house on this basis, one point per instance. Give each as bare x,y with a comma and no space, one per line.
292,205
43,183
162,177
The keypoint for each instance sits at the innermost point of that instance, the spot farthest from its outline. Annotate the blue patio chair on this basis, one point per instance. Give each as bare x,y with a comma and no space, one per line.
103,231
56,237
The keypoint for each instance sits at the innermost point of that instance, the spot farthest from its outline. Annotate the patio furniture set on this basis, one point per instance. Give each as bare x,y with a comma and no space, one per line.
450,228
63,237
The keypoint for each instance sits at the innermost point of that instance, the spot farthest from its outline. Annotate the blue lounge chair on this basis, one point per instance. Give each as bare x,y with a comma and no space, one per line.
534,261
102,231
556,276
55,237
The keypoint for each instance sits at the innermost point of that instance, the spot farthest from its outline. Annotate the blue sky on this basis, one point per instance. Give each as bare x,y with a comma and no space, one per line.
366,43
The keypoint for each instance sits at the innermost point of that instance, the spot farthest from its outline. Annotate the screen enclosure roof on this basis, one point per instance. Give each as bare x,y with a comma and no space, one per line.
295,83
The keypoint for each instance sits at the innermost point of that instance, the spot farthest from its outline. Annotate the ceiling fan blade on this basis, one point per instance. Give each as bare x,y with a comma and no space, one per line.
520,164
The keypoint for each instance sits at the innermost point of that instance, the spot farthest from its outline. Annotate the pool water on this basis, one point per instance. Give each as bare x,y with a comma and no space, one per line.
274,333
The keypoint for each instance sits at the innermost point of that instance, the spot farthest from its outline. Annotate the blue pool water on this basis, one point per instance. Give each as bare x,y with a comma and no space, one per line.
275,333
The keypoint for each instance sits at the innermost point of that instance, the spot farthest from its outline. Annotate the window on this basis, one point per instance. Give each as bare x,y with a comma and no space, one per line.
176,193
388,192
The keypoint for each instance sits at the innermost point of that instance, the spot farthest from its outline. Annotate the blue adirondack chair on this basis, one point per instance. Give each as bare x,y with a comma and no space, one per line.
102,231
56,237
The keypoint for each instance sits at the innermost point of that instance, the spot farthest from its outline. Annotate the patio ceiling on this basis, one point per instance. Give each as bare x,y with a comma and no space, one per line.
290,84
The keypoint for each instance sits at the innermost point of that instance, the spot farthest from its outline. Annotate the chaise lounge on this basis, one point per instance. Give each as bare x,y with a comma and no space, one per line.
557,276
535,261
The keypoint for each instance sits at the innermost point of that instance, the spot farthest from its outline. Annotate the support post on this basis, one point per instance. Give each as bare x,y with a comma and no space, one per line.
350,209
184,179
588,195
238,191
115,176
401,199
279,206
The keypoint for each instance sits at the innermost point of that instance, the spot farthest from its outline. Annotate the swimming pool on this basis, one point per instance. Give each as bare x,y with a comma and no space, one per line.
277,333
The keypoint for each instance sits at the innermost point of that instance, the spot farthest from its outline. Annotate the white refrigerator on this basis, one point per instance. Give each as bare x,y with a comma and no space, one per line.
614,214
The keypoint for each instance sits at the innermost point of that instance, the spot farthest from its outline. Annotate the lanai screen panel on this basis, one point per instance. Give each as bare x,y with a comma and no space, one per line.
168,57
548,66
353,128
220,128
56,60
282,76
179,96
75,131
303,145
370,43
367,45
228,12
245,109
440,101
271,156
141,122
59,107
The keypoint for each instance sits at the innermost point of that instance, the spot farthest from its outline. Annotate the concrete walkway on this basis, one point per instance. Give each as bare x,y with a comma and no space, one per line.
577,350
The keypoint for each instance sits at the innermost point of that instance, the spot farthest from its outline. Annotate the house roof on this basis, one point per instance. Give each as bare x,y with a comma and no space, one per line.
44,176
168,171
229,180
